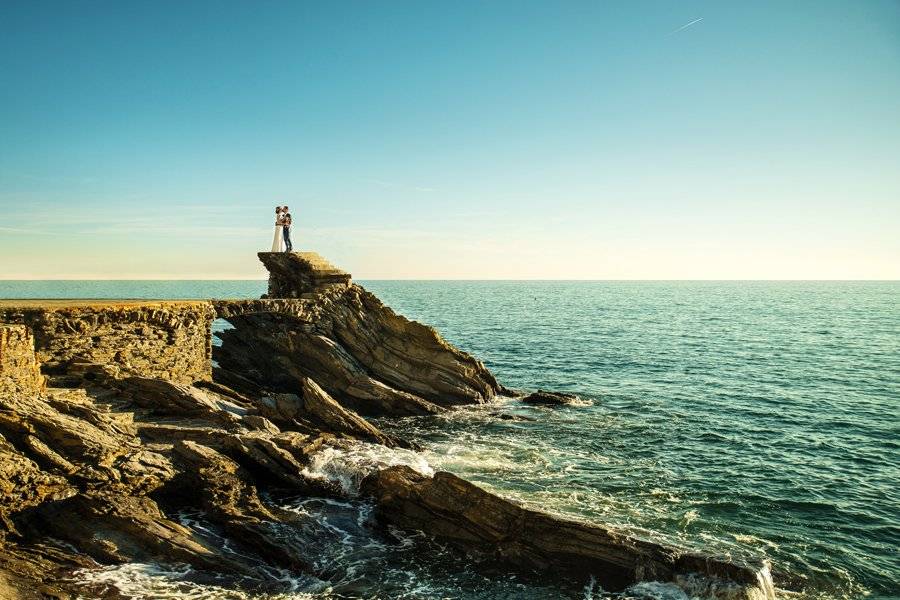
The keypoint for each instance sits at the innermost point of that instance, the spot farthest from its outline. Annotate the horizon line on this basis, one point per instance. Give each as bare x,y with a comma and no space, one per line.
462,279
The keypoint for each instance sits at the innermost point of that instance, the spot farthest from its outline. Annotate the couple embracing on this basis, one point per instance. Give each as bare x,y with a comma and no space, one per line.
282,230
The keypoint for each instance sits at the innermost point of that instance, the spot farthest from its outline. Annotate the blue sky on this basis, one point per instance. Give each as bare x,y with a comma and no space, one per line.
596,140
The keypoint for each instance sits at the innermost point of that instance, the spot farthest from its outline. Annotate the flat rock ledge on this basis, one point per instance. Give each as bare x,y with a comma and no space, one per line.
301,274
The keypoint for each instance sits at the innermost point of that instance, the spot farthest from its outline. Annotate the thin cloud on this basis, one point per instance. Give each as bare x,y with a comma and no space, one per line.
685,26
24,231
394,185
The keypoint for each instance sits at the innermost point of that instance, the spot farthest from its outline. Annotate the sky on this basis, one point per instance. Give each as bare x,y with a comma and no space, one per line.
451,140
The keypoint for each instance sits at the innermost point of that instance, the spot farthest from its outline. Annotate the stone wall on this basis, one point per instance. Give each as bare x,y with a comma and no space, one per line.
165,339
20,372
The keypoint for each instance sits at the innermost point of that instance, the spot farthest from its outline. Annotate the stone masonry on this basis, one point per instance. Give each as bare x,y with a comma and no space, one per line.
165,339
301,274
20,372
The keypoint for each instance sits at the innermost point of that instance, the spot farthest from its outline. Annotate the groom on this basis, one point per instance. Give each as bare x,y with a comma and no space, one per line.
286,229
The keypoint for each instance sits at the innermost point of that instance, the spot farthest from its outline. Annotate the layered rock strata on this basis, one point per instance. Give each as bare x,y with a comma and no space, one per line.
497,529
361,352
301,274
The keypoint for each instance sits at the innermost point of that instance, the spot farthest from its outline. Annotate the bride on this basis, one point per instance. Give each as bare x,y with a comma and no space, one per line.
276,241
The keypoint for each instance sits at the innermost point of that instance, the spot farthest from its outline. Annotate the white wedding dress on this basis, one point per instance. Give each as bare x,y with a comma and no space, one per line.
277,240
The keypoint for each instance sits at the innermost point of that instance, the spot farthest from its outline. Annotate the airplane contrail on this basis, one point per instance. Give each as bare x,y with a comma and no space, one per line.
685,26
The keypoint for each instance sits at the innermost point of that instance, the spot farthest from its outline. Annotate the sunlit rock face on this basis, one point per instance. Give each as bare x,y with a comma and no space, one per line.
366,356
301,274
19,369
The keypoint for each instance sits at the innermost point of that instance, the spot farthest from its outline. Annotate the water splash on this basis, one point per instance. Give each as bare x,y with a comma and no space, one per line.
349,466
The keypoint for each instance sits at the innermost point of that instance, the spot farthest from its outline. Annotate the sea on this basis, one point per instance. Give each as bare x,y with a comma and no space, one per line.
742,418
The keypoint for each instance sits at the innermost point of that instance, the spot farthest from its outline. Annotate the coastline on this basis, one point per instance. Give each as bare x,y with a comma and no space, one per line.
282,430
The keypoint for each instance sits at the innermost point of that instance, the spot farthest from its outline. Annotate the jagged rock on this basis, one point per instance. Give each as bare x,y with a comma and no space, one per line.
168,398
274,461
333,417
477,521
76,440
265,351
24,485
550,398
320,410
405,354
40,572
366,356
221,487
115,528
260,423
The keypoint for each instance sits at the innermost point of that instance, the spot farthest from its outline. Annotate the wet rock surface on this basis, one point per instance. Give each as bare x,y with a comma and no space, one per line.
496,529
545,398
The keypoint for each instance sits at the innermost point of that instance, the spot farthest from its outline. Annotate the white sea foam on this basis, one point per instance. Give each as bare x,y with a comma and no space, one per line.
689,517
348,467
655,590
143,580
698,586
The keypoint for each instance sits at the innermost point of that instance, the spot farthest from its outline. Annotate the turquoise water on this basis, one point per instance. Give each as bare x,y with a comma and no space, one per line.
749,418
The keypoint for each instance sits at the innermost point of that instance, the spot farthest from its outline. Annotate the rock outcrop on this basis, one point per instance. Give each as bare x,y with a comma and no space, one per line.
366,356
496,529
543,397
315,409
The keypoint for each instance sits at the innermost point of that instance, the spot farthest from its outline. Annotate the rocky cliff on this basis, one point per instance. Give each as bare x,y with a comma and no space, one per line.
369,358
136,429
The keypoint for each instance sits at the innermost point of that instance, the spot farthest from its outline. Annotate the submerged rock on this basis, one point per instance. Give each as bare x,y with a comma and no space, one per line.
550,398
